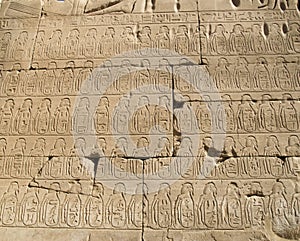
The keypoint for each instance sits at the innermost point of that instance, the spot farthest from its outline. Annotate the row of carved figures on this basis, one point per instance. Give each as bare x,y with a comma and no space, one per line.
245,116
161,161
182,40
239,207
127,117
282,76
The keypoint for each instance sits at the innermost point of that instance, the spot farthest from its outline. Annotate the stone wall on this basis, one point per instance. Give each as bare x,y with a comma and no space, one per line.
155,120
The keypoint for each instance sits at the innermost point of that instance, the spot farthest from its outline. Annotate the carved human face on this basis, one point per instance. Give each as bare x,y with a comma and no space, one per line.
66,102
46,103
27,104
80,143
232,188
84,102
256,28
107,64
41,35
74,33
219,29
60,144
21,143
164,62
10,103
40,144
293,140
142,143
286,98
17,67
272,141
102,143
163,142
265,98
3,143
13,187
23,36
242,62
275,28
210,188
126,63
164,100
7,37
146,30
97,190
228,143
222,63
57,34
246,99
250,142
88,64
145,63
202,29
164,29
143,101
119,188
278,188
207,142
124,103
255,188
238,29
92,33
121,143
186,143
187,188
103,101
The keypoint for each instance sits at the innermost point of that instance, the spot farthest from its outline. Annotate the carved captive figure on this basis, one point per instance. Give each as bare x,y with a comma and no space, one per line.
79,7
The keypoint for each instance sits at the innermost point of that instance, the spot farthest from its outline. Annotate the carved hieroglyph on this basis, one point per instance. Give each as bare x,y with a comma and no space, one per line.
149,120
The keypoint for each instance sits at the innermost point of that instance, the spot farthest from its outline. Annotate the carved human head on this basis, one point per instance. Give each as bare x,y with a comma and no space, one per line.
293,140
104,101
10,103
207,142
164,142
121,143
141,188
210,188
3,143
119,188
278,188
20,143
186,142
187,188
164,188
229,142
13,188
101,143
40,143
251,142
98,189
272,141
142,142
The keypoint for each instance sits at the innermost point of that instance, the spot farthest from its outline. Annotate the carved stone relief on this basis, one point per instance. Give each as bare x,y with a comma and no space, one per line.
149,120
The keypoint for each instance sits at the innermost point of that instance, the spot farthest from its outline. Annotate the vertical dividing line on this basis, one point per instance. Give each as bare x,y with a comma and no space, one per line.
172,106
199,33
35,39
96,168
143,208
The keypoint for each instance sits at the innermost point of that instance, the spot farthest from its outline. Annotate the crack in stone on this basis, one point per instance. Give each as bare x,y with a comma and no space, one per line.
34,42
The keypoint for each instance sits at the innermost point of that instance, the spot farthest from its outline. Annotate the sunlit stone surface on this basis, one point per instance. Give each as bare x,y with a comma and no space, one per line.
149,120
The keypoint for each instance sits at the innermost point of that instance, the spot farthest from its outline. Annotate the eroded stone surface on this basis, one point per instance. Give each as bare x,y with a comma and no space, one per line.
149,120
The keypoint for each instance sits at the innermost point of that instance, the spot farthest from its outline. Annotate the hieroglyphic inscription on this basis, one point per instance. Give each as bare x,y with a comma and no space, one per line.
181,125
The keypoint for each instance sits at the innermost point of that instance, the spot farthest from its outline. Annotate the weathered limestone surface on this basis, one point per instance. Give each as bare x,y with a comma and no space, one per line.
149,120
